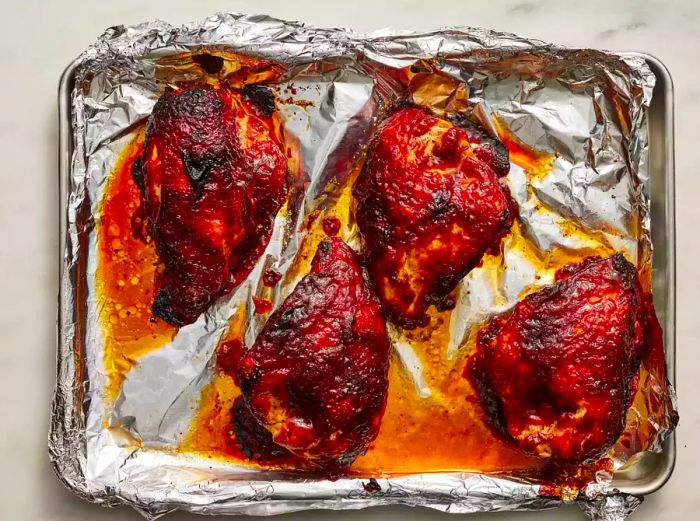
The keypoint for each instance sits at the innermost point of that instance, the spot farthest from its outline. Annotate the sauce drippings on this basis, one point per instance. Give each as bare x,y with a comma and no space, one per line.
331,225
271,278
444,431
127,263
440,433
537,163
262,306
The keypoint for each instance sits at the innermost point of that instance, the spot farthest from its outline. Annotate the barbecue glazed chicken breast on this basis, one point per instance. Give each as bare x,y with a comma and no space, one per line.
556,374
212,178
316,378
429,205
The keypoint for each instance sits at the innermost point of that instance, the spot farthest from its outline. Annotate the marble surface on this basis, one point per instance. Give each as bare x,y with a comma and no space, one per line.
38,39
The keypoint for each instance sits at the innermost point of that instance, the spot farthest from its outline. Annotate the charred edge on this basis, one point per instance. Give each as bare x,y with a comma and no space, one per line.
159,108
137,174
198,102
499,150
510,214
262,97
403,322
406,103
372,486
512,209
253,438
443,286
623,266
162,308
209,63
492,413
500,155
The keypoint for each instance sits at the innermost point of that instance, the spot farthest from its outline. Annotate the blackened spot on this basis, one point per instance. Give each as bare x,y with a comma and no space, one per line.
325,247
417,68
402,104
461,120
440,201
254,439
161,105
162,308
441,288
137,173
501,158
262,97
446,303
198,168
199,102
372,486
209,63
291,316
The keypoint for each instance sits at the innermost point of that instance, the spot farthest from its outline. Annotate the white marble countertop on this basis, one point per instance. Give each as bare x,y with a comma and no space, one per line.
38,39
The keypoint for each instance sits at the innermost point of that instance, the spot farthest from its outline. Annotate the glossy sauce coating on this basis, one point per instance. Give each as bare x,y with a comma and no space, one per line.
429,205
316,377
212,177
555,375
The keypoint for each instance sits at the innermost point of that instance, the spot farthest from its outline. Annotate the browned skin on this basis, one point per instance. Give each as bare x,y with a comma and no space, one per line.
429,205
555,374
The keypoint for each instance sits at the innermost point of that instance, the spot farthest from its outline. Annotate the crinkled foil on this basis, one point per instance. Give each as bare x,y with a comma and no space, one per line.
587,108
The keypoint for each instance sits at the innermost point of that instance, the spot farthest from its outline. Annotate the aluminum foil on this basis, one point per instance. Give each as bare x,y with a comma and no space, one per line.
586,108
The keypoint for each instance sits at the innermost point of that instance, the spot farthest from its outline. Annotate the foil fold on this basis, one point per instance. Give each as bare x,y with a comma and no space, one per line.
586,108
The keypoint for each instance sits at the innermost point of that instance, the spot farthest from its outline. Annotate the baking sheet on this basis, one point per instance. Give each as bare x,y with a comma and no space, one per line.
100,463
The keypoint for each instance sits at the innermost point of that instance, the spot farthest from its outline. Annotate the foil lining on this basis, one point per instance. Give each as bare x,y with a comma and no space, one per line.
587,109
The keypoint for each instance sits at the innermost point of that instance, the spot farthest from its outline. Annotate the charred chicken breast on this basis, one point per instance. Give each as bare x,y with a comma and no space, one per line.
429,205
555,375
316,377
212,177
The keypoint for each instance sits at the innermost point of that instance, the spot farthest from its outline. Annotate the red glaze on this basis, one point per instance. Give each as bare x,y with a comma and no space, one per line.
555,374
331,226
262,305
212,177
229,356
271,278
429,206
316,377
